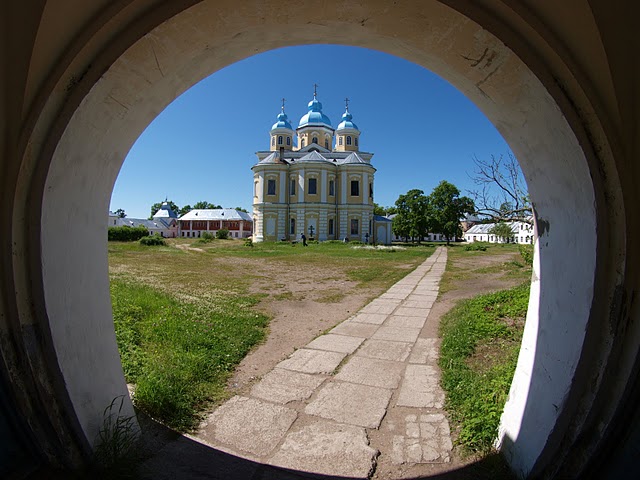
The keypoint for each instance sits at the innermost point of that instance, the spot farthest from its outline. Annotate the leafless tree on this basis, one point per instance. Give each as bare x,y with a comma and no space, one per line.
501,193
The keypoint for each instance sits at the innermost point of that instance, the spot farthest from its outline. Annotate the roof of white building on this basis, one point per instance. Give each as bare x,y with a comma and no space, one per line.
156,223
483,228
217,214
165,211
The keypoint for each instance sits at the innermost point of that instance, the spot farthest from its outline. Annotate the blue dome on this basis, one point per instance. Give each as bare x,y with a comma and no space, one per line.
346,122
283,122
314,116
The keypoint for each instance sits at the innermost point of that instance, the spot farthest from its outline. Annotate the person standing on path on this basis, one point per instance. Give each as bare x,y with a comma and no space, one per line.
304,240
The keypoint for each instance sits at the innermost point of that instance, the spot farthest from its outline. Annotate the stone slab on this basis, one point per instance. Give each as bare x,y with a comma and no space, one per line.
249,425
349,403
412,312
426,439
381,306
355,329
402,321
312,361
336,343
397,334
420,388
385,350
417,303
372,318
424,351
284,386
394,296
371,371
327,448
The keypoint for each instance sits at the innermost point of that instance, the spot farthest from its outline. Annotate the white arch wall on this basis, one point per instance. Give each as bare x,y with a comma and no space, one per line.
213,34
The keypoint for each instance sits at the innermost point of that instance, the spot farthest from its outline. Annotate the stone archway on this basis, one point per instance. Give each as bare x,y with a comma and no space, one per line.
126,66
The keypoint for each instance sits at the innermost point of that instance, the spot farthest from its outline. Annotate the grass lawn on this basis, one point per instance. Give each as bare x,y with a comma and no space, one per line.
481,340
187,313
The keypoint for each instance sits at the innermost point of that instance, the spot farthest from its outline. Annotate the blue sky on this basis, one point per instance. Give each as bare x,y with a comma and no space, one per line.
420,129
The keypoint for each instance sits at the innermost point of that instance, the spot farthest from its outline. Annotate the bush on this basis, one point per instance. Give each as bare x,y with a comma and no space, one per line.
222,234
152,240
207,237
527,253
126,234
248,242
476,247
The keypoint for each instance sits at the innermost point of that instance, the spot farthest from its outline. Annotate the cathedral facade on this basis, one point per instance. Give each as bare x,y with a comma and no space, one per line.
314,180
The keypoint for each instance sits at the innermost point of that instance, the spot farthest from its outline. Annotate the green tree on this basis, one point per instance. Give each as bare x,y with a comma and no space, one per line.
502,230
240,209
156,206
378,210
411,218
204,205
120,213
446,208
184,210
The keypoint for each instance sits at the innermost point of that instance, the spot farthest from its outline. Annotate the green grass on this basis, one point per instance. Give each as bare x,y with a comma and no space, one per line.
180,354
480,344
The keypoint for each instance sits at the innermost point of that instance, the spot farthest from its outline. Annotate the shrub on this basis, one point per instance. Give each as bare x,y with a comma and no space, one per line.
222,234
126,234
476,247
207,237
248,242
152,240
527,253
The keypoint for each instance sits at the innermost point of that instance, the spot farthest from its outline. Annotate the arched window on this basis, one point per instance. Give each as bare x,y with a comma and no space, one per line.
326,144
302,143
356,140
273,141
314,140
348,139
279,139
288,140
292,226
339,140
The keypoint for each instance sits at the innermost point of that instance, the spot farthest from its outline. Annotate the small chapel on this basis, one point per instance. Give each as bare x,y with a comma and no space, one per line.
316,181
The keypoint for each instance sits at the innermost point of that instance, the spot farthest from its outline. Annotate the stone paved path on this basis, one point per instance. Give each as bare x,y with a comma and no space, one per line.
368,388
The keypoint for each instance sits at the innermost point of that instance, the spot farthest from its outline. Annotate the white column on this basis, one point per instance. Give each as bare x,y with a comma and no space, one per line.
323,186
260,187
365,188
343,193
301,186
283,186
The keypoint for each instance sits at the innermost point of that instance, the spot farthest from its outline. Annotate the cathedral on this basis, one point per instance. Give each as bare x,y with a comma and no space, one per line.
315,181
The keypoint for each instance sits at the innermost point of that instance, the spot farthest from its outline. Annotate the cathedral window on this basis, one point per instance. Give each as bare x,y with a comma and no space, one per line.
292,187
354,226
302,144
339,140
332,188
331,226
356,140
313,186
289,141
271,187
273,141
326,144
314,140
355,188
279,139
370,190
348,139
292,226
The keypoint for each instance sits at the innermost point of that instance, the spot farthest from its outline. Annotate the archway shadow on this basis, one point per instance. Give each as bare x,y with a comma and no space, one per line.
168,455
